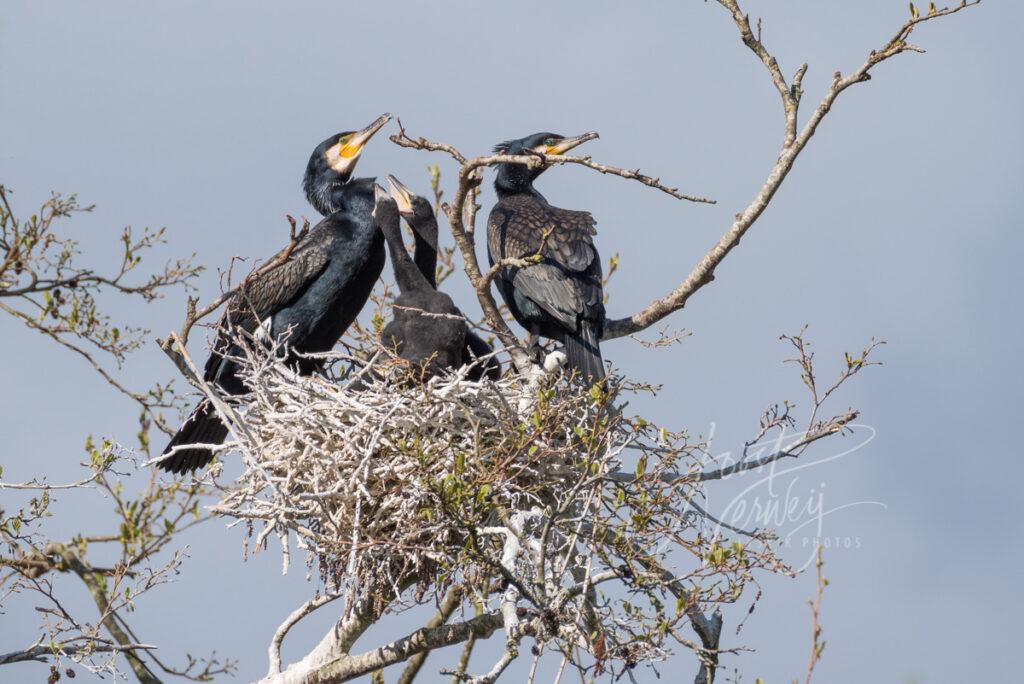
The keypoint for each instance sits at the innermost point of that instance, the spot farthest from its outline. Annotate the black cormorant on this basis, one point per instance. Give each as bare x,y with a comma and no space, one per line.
416,210
427,330
308,301
561,296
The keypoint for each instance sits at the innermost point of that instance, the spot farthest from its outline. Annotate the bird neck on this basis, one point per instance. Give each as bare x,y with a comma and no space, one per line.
425,254
407,274
515,179
341,193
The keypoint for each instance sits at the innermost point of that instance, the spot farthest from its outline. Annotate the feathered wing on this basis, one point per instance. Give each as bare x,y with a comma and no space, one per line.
573,300
566,283
553,290
259,298
522,225
262,296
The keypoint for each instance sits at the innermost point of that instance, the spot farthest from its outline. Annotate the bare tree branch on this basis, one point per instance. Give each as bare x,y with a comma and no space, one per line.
274,651
451,601
793,143
41,654
817,645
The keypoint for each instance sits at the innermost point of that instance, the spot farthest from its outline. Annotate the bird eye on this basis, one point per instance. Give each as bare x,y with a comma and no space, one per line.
343,140
550,141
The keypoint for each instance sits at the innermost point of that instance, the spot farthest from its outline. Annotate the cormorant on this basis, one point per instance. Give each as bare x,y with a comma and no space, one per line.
310,299
427,330
561,296
416,210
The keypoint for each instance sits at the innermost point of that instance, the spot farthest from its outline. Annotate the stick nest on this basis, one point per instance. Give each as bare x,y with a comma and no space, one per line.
385,480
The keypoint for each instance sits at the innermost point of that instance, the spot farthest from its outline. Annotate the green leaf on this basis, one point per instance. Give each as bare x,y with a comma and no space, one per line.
483,493
641,466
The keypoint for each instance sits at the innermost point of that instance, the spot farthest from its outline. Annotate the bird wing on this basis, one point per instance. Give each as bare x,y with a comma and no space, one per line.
553,290
521,226
263,295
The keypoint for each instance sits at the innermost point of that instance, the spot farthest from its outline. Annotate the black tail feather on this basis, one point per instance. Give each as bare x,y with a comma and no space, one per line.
202,427
583,352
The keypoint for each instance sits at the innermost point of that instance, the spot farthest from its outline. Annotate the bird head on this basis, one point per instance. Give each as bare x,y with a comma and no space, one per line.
385,209
334,160
516,177
544,143
415,209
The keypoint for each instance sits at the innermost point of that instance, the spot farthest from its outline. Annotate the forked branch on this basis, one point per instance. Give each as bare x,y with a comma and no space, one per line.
793,143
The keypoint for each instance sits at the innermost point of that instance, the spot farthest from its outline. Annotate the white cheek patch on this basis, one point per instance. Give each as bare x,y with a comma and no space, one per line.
336,161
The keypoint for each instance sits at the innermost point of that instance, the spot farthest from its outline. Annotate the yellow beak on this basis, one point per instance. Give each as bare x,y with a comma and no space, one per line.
355,145
566,144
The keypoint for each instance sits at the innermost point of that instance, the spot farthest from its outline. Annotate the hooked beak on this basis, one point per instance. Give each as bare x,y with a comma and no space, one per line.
401,194
359,140
566,144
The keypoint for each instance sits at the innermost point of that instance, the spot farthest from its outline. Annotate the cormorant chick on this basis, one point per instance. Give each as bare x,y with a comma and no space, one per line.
427,330
416,210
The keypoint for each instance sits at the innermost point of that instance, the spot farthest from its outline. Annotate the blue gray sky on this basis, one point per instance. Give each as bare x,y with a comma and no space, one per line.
898,223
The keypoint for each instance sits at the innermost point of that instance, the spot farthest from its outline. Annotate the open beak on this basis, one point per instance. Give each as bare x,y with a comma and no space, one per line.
401,194
359,140
566,144
403,197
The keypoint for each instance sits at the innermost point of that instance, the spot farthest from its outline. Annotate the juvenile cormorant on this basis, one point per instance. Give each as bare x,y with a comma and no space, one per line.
416,210
561,296
427,330
308,301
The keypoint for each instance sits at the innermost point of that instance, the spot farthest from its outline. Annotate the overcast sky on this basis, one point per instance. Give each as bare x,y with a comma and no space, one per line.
898,222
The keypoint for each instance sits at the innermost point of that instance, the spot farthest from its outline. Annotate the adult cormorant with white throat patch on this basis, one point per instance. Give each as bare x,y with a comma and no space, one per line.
560,297
308,301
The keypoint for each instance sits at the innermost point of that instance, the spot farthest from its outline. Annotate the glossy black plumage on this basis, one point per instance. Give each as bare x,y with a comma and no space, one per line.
561,296
427,329
416,210
308,301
